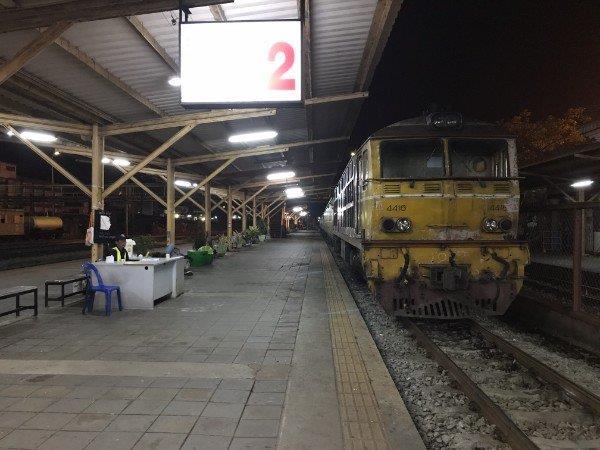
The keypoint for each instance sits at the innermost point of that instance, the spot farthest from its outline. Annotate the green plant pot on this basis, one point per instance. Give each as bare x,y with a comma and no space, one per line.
198,259
262,237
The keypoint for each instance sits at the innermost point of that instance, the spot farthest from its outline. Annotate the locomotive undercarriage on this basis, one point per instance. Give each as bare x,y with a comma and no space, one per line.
415,299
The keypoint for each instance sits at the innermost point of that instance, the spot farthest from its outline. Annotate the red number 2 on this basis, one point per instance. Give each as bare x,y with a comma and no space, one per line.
276,82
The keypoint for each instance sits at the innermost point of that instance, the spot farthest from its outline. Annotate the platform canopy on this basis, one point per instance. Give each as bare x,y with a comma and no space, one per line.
108,62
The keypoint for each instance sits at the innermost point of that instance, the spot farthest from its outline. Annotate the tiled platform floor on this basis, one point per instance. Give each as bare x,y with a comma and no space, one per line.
242,360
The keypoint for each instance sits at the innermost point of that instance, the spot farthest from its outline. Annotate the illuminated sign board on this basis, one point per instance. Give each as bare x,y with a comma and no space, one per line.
241,62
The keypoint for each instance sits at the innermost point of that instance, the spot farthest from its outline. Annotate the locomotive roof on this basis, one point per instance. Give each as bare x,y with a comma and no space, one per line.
422,127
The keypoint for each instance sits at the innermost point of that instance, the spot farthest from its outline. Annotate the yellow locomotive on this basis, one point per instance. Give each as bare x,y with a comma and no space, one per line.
428,208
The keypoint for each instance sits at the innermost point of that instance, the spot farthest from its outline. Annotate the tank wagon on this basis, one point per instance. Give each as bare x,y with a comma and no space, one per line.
427,208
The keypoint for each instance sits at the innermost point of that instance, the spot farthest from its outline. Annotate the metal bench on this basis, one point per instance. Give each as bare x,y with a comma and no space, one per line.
62,284
17,292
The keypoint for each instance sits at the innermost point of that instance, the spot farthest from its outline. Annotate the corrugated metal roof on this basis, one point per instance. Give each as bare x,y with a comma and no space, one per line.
339,31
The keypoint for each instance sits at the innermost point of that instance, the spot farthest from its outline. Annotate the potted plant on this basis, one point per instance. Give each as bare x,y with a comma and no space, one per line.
221,245
200,257
262,229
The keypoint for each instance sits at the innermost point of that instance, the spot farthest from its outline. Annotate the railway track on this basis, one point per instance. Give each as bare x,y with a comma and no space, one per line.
508,428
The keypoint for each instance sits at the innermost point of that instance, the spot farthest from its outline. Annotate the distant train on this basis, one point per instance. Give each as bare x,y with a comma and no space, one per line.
15,223
428,209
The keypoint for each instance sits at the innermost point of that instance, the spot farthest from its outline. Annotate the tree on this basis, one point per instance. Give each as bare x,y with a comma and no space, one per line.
538,137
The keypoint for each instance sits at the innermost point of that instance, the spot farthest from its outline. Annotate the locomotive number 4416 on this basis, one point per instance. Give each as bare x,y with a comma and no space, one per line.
396,208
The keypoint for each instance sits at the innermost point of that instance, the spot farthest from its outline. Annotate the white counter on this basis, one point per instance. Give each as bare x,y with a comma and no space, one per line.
142,282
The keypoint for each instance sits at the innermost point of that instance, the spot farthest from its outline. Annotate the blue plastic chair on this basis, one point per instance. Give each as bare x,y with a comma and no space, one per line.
88,269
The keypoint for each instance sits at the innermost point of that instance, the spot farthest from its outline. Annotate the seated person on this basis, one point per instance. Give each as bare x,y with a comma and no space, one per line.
118,251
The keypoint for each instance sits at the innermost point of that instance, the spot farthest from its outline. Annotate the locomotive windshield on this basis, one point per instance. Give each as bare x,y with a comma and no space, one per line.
478,158
412,159
422,159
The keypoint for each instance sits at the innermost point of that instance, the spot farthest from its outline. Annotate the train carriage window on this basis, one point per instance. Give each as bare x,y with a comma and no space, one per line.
478,158
412,159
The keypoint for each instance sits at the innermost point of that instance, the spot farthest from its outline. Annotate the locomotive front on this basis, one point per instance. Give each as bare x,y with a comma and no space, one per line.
439,205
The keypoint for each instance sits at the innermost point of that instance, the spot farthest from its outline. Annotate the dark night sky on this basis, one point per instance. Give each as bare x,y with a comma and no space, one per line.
487,59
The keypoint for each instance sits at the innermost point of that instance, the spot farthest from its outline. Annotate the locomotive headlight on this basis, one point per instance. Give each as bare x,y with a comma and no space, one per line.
388,224
404,225
490,225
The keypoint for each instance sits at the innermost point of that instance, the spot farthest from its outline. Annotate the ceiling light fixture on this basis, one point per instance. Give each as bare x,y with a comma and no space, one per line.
121,162
38,137
56,153
582,183
297,208
183,183
175,81
281,175
106,160
253,137
10,133
303,214
295,192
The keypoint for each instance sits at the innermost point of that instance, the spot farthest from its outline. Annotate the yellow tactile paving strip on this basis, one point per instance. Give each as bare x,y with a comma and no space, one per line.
361,422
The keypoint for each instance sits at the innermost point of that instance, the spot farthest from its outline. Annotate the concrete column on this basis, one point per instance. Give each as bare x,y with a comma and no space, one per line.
254,212
97,183
229,215
207,211
244,213
170,202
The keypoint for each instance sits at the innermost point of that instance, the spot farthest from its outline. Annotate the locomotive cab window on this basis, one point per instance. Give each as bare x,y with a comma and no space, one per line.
412,159
478,158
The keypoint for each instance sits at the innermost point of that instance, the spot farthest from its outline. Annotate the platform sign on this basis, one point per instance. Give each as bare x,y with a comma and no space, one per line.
257,62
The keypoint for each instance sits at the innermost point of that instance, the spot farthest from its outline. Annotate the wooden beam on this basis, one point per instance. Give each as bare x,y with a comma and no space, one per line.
42,16
275,183
218,13
68,175
384,17
213,174
218,115
185,130
336,98
32,49
153,43
87,152
245,202
264,150
182,192
145,188
87,60
45,124
8,4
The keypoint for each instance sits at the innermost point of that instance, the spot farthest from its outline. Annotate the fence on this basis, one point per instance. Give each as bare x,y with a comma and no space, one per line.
565,255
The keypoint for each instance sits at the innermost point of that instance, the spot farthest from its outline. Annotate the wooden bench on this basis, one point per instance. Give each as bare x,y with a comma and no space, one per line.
62,284
17,292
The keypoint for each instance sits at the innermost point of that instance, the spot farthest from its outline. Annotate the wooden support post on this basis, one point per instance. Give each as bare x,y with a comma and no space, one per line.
207,212
229,215
254,211
32,49
170,203
97,184
283,221
244,212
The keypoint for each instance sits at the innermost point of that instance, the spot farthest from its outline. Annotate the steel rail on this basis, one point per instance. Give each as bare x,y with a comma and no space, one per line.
492,412
581,395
